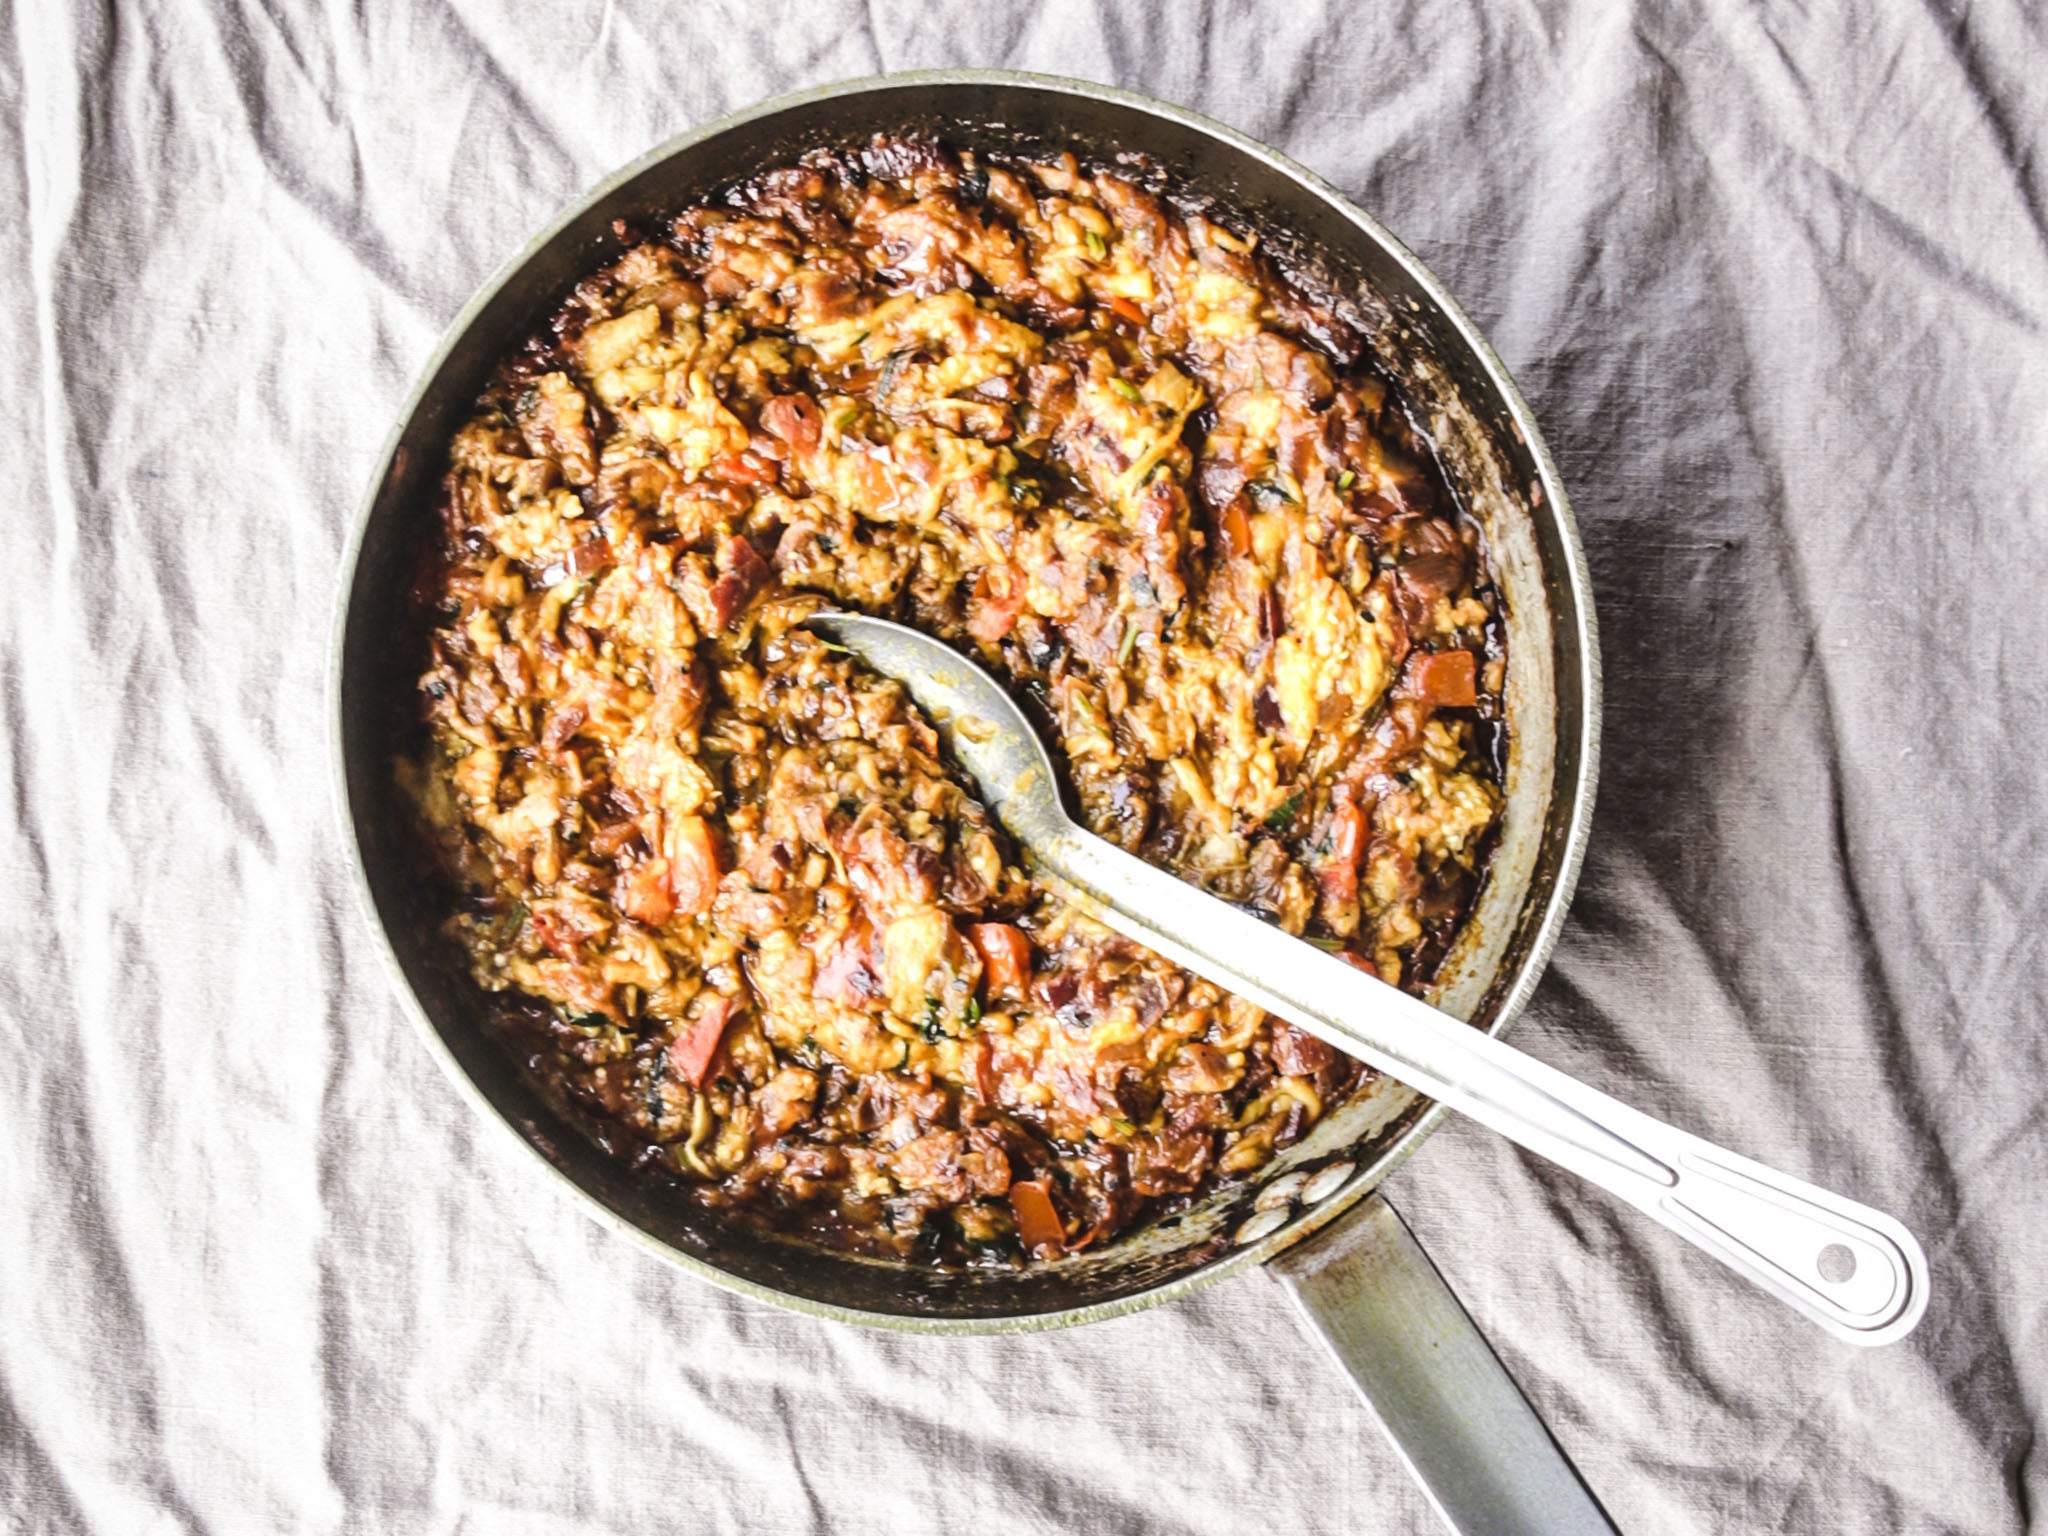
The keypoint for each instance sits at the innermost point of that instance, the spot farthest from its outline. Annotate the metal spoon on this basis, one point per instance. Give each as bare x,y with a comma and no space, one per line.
1855,1271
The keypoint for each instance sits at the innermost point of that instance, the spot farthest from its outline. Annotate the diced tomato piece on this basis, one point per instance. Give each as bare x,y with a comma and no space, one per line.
998,599
1446,679
738,554
558,938
1347,834
692,1051
793,418
1005,956
1358,962
1338,872
692,864
643,894
1038,1224
1125,310
743,468
852,973
745,574
1236,530
1338,881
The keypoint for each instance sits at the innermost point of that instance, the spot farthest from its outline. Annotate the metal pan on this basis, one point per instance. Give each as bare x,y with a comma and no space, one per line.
1492,456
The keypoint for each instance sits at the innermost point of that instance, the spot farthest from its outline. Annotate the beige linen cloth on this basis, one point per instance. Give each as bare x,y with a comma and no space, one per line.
1775,279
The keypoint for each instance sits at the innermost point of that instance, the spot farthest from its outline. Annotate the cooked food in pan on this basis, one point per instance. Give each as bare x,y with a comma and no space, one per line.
744,918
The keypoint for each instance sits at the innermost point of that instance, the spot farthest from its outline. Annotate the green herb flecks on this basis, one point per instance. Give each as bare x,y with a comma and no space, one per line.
1126,388
1281,817
505,932
1346,480
1094,243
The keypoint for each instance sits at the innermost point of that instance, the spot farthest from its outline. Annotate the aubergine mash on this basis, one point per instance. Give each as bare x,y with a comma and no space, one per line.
744,919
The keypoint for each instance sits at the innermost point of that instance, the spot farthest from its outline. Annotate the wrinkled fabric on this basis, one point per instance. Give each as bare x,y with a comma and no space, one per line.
1774,279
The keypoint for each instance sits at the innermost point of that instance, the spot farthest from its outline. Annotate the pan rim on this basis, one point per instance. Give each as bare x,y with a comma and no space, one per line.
1576,798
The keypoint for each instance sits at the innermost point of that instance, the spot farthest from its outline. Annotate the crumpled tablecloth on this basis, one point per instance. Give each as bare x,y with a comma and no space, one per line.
1776,284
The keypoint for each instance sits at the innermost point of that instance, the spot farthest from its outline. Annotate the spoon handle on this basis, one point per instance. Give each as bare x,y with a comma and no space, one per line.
1855,1271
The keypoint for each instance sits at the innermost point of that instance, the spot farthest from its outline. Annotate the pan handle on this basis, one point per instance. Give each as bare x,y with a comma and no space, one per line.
1368,1291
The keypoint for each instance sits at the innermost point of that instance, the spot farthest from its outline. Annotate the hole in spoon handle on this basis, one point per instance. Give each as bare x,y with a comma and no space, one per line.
1855,1271
1836,1264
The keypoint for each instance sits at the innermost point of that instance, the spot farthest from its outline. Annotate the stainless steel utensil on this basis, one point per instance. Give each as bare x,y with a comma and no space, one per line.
1855,1271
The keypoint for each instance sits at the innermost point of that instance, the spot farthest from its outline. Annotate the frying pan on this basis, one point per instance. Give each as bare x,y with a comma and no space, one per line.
1493,459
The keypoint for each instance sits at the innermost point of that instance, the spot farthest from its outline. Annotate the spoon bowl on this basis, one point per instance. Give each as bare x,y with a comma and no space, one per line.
979,724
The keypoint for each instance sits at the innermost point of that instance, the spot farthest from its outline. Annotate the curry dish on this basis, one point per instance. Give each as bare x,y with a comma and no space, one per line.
743,919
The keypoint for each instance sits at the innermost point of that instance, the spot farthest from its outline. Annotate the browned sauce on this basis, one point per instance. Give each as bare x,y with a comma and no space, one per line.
747,924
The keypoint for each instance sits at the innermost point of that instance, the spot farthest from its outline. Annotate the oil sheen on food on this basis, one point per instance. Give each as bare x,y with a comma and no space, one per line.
741,918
